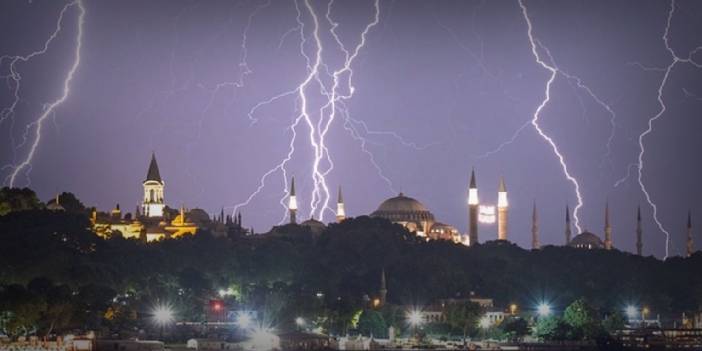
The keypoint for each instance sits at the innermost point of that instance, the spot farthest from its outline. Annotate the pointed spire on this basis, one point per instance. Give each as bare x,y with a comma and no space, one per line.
568,232
535,244
292,186
340,197
502,188
340,209
153,173
607,229
472,179
639,232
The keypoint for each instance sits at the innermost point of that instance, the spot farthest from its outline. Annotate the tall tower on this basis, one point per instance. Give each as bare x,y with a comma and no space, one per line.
607,229
535,244
292,202
383,288
473,204
639,233
152,205
502,206
568,232
340,210
690,243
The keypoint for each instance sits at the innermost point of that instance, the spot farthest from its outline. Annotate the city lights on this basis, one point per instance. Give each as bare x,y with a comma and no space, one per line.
415,318
484,322
163,315
244,319
631,312
543,309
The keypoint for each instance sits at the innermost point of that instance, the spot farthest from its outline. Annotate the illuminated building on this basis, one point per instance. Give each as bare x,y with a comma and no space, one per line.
414,216
588,240
156,221
55,205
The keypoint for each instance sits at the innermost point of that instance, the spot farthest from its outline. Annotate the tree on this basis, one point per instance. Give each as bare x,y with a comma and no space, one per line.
515,328
582,319
613,322
16,199
552,328
69,202
371,322
464,317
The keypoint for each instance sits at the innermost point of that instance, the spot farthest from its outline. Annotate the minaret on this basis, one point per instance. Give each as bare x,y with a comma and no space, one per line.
473,204
568,232
535,245
340,211
639,233
607,229
152,204
383,288
502,206
690,243
292,202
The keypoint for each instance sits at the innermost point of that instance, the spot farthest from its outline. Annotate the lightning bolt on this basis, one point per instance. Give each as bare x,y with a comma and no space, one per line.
317,72
535,120
50,108
661,102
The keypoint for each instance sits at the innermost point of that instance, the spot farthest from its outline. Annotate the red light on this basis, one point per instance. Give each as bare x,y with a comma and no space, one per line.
217,306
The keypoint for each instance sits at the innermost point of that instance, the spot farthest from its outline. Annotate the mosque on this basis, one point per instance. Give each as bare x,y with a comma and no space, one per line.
417,218
153,220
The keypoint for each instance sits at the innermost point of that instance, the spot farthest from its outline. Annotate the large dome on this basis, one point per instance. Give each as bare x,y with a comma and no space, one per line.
586,240
403,209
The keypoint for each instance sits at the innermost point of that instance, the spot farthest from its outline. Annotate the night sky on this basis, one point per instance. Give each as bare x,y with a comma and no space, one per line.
439,87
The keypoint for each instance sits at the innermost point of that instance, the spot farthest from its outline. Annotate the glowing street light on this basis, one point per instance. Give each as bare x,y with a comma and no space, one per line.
163,315
513,309
244,319
415,318
543,309
484,323
631,312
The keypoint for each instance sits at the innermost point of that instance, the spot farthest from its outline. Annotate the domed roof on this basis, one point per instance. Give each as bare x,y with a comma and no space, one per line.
586,240
401,203
55,206
198,215
403,208
314,225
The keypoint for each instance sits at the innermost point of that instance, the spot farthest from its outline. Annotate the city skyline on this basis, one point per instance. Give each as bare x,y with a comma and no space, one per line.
435,96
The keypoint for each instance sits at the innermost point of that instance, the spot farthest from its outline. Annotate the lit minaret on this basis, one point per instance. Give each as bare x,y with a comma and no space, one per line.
607,229
152,203
473,203
690,243
639,233
502,206
292,202
568,232
535,245
340,211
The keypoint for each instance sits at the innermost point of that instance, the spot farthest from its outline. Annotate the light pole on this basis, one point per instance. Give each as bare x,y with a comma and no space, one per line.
163,315
415,319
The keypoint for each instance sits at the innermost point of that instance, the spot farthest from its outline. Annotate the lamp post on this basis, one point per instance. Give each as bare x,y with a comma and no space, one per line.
163,315
543,310
415,319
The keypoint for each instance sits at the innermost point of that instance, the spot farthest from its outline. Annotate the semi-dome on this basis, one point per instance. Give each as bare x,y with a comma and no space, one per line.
586,240
403,209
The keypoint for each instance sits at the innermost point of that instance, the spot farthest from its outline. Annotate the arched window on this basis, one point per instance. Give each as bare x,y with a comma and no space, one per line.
151,196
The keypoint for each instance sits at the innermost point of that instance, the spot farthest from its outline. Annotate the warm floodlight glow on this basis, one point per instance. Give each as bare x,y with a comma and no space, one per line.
415,318
544,309
163,315
244,319
473,196
502,199
292,203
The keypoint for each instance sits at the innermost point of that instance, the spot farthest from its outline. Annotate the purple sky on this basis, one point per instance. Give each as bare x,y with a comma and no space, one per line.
453,79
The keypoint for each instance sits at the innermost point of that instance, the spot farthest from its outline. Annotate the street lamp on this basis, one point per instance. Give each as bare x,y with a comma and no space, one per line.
243,319
163,315
631,312
300,322
543,309
415,319
513,309
484,323
644,312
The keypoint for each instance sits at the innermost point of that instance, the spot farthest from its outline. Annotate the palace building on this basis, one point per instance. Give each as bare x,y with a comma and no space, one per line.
153,220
